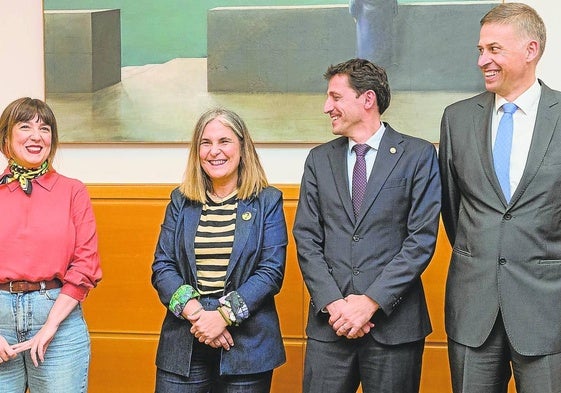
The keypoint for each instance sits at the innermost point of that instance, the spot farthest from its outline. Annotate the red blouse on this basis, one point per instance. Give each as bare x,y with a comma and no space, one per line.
49,234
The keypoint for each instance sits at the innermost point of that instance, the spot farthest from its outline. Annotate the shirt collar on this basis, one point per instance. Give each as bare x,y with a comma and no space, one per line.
527,101
47,181
373,141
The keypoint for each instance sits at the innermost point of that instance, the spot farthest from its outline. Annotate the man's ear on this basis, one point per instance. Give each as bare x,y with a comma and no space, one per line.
370,99
532,50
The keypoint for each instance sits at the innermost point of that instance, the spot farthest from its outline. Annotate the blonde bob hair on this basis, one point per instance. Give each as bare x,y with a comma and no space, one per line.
251,176
23,110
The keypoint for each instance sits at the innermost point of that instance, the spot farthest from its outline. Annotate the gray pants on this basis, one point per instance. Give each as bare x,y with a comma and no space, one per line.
488,369
340,366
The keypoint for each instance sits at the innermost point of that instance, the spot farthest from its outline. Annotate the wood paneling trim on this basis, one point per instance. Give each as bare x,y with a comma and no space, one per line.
160,191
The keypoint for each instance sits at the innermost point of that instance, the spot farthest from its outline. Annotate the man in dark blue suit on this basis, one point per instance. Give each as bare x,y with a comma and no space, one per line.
362,264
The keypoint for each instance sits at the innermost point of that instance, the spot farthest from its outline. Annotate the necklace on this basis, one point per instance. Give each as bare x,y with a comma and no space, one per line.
221,198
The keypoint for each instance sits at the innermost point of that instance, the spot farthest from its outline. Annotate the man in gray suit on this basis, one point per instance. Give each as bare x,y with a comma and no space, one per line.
362,264
502,214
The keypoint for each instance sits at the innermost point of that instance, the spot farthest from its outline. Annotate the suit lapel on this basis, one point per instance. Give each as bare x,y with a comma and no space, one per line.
338,163
546,121
245,217
389,152
482,118
191,219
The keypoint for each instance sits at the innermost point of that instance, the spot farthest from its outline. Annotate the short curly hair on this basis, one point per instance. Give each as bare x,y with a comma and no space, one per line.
363,76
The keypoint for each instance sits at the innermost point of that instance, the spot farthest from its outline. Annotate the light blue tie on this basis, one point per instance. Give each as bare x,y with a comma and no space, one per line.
503,147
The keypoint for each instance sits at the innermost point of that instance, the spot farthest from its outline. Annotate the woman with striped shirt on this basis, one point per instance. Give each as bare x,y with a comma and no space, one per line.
218,264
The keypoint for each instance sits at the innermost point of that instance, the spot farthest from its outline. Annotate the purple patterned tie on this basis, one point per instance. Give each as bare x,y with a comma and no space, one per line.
359,176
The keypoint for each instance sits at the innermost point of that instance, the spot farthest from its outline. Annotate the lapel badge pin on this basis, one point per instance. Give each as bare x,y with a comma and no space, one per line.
246,216
393,150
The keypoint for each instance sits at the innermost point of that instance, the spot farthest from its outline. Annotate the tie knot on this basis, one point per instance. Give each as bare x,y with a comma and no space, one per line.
361,149
509,107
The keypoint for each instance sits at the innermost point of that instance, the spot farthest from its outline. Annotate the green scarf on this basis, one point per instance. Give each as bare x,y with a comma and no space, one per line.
24,175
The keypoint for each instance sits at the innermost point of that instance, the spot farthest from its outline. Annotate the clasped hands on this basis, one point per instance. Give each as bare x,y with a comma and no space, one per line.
8,352
350,317
209,328
37,346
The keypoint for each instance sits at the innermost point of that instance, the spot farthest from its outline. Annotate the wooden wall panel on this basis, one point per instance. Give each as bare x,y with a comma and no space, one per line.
435,376
434,281
288,377
292,298
128,227
124,314
122,363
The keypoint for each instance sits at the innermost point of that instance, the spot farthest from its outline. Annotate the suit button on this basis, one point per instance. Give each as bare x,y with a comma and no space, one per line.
356,238
356,272
502,261
507,216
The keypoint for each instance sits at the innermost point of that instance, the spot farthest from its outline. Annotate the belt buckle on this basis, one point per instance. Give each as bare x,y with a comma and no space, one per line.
12,288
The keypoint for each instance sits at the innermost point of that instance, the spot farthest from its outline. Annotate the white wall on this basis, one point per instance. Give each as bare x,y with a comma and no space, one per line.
548,69
21,73
163,164
21,50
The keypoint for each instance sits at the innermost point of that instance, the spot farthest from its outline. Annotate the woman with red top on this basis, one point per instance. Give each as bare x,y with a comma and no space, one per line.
48,259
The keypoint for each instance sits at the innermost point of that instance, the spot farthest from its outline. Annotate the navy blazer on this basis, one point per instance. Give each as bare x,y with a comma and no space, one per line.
383,252
255,271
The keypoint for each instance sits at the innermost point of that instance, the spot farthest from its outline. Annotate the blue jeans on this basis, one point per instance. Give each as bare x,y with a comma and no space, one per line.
205,377
67,358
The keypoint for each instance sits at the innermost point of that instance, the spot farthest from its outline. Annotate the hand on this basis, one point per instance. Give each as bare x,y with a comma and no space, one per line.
23,346
365,329
6,351
225,341
209,327
39,343
335,309
353,320
192,310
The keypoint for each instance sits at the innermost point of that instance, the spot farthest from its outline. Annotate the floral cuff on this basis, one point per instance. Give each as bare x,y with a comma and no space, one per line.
238,309
180,298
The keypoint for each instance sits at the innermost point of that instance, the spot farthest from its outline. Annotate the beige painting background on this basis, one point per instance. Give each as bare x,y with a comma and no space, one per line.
160,102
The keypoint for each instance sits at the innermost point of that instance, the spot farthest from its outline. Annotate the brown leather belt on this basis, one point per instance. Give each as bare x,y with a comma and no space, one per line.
26,286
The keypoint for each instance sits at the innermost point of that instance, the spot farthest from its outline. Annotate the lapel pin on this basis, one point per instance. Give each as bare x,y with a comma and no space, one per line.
246,216
393,150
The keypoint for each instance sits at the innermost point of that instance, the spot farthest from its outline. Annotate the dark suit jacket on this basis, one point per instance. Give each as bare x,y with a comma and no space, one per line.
505,256
255,271
384,251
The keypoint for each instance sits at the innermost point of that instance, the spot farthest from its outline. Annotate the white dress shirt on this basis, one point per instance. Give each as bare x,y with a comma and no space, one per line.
524,120
370,157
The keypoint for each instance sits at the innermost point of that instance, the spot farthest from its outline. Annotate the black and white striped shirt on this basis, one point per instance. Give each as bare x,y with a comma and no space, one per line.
213,244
